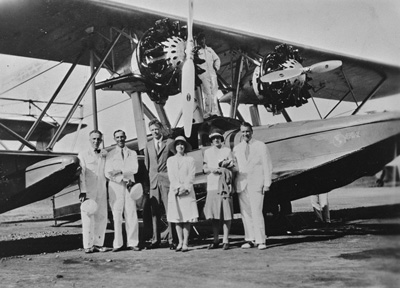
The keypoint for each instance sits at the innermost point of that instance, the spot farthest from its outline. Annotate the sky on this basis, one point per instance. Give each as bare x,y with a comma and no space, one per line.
364,29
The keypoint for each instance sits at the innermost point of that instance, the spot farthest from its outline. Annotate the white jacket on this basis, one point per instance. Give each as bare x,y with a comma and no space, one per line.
114,162
256,171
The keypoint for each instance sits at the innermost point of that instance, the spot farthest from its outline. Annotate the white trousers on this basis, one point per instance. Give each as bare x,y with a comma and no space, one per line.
122,204
321,207
209,89
251,206
94,226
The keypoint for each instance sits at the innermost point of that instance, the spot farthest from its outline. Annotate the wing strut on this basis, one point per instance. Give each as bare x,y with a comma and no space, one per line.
81,95
234,100
39,119
370,95
17,136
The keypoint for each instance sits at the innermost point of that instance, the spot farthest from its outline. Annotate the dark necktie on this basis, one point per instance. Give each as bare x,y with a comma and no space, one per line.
122,154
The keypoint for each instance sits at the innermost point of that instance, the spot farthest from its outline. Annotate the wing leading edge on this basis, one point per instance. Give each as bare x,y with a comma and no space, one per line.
58,30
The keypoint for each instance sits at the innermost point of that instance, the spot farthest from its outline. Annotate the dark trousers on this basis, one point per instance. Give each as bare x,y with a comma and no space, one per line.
159,208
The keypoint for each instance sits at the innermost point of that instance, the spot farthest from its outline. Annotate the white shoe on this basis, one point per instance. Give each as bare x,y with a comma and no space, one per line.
247,245
262,246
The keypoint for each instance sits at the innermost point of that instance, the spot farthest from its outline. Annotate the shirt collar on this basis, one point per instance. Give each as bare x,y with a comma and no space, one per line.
119,148
159,140
250,142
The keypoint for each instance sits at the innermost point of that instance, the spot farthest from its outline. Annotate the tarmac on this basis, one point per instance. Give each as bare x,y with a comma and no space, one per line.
361,248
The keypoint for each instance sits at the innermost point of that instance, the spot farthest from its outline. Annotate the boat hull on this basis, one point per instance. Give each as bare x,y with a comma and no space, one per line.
38,181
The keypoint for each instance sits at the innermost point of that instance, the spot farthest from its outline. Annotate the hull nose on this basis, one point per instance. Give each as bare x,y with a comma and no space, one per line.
43,169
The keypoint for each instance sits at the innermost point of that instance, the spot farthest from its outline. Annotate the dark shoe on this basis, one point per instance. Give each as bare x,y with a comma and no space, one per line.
213,246
225,246
134,248
117,249
172,246
89,250
154,245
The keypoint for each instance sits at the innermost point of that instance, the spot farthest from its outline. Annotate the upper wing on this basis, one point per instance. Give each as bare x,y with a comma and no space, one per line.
363,76
58,30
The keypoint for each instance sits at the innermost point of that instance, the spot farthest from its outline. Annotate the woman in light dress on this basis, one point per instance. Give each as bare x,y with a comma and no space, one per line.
182,206
219,204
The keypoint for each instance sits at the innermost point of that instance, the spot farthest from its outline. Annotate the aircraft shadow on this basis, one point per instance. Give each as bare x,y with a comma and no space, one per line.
53,244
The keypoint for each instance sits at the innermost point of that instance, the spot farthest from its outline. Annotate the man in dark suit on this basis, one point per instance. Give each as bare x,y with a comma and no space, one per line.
157,151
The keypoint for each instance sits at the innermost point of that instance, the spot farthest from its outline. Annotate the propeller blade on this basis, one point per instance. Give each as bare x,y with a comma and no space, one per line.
325,66
188,95
281,75
188,77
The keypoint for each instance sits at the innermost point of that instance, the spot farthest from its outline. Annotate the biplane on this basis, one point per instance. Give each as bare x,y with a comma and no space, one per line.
152,54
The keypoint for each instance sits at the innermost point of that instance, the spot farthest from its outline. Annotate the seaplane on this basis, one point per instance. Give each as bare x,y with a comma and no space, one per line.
151,54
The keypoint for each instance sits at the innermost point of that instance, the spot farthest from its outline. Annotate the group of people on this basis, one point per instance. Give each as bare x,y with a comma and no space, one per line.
119,167
246,170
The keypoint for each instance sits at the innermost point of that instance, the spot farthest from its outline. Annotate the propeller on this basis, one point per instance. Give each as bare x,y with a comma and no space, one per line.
285,74
281,75
188,77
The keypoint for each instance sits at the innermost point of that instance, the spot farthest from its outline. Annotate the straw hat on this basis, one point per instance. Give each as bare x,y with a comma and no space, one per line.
136,191
89,206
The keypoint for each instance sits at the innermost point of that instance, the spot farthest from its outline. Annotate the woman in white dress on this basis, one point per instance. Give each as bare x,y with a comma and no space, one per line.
219,204
182,206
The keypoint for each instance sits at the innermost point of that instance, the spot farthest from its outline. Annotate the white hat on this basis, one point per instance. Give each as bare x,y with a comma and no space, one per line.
182,139
216,134
136,191
89,206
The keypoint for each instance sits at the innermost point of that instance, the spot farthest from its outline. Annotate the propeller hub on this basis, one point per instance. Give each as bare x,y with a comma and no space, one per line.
174,51
292,90
160,55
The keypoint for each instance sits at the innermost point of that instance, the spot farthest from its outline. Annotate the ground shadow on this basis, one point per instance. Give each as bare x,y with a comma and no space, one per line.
304,231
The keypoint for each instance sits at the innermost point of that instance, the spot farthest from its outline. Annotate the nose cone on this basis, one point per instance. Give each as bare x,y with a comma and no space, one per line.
45,168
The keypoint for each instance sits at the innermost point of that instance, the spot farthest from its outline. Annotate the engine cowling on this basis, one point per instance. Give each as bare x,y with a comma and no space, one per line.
160,56
282,94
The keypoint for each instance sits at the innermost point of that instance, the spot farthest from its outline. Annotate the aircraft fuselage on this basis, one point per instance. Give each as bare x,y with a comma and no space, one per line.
27,177
311,157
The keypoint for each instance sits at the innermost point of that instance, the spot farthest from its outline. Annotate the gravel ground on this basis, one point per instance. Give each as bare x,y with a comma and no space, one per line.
360,249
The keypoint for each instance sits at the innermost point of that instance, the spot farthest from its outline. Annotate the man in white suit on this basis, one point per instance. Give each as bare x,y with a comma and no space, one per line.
93,187
121,165
320,206
209,85
253,163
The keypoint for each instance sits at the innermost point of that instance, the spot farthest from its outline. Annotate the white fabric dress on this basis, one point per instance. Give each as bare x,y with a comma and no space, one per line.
181,173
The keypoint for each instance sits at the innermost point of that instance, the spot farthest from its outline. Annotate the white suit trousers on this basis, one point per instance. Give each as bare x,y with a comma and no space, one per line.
121,203
209,88
321,207
94,226
251,206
